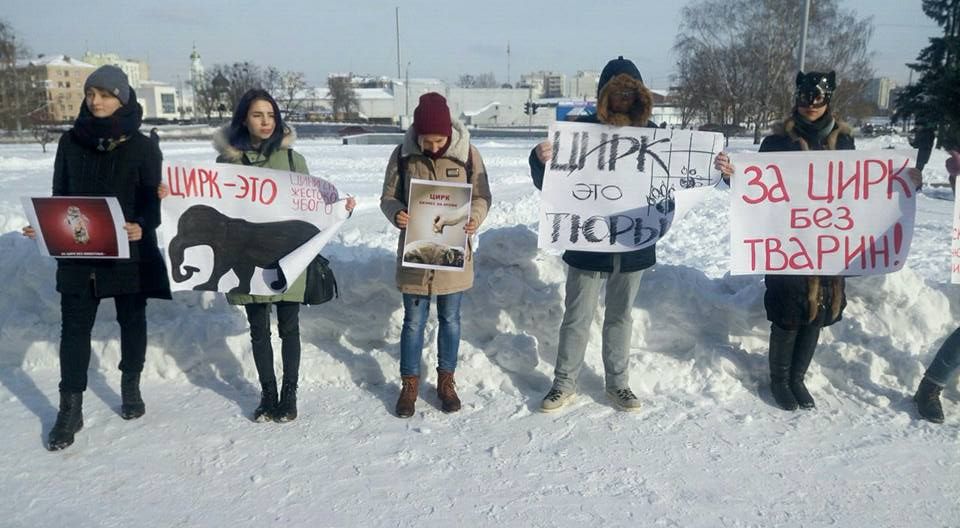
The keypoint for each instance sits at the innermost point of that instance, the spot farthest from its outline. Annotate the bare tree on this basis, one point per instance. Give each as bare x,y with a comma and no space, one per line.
483,80
737,58
20,92
271,80
289,91
242,76
205,96
343,98
239,76
41,128
465,81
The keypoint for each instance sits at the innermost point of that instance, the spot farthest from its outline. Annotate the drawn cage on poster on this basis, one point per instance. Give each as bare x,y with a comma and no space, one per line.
613,189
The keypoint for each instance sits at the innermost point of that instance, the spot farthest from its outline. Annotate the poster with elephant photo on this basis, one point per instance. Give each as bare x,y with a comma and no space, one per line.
435,236
78,226
243,229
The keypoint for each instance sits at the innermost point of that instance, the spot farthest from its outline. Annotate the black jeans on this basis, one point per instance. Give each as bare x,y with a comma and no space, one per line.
77,315
288,324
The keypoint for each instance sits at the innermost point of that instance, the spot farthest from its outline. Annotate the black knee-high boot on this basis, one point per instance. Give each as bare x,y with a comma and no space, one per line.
803,350
781,359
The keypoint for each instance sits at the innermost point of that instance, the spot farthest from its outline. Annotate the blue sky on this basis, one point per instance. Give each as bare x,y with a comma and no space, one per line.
438,38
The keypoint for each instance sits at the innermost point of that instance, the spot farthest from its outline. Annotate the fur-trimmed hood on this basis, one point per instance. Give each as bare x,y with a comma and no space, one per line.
789,128
459,148
642,108
231,154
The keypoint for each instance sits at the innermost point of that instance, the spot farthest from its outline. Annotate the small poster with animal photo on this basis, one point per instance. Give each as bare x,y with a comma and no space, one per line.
78,226
435,236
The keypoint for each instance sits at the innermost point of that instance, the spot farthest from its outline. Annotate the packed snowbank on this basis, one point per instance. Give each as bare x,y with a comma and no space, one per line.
707,450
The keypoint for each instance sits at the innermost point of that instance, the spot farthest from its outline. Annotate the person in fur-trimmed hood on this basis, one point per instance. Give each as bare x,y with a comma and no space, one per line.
622,100
798,307
257,136
436,147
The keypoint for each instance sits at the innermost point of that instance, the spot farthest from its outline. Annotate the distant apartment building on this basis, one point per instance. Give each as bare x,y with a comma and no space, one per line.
547,85
533,84
137,71
61,79
583,85
878,92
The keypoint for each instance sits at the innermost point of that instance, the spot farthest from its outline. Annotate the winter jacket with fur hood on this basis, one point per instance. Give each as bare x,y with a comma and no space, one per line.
451,167
792,300
278,160
639,116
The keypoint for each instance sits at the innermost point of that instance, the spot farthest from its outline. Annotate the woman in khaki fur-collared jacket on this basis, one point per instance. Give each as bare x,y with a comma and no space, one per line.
435,148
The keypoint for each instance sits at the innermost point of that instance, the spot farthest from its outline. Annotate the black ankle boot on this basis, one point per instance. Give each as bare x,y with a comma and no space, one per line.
69,421
927,399
132,406
268,402
781,358
287,408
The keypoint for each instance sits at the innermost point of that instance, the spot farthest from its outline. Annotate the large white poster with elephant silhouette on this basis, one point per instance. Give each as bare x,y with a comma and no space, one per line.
616,189
435,236
243,229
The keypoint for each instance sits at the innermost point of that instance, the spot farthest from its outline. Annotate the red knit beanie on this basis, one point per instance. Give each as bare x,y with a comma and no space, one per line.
432,115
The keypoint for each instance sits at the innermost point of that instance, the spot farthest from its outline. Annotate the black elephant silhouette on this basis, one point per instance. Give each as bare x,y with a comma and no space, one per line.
237,244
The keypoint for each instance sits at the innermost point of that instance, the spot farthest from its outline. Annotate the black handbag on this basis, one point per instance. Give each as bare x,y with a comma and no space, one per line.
321,284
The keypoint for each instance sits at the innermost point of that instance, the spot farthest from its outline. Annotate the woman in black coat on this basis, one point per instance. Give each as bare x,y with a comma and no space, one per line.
798,307
104,154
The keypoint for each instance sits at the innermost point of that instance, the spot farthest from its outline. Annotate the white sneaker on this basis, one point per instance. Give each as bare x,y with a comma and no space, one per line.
624,399
555,399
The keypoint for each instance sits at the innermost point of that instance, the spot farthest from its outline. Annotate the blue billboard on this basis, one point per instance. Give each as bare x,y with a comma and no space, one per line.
571,110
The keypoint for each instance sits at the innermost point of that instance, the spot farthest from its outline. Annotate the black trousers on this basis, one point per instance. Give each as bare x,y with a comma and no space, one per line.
288,325
77,315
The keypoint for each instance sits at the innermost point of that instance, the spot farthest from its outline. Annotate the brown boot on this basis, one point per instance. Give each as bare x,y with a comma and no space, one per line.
450,403
408,396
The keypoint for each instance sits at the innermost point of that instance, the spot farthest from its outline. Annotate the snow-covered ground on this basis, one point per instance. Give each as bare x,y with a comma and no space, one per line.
708,449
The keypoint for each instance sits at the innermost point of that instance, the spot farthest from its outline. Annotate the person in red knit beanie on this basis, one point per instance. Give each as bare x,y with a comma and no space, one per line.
437,147
432,116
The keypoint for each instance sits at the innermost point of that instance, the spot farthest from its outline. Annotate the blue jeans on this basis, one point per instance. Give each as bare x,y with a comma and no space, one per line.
416,309
946,361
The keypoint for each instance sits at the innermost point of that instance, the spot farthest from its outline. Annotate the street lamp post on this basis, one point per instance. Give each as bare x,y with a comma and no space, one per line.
406,90
801,57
